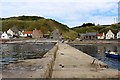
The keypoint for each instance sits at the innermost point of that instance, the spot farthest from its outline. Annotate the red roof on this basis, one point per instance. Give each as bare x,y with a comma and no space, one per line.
99,34
27,32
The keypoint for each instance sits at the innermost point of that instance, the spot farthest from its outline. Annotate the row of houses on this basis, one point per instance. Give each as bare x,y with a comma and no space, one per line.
14,32
92,35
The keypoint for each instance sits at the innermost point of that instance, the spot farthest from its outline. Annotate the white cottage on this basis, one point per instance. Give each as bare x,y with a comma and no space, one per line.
101,36
6,36
26,34
110,35
14,31
118,35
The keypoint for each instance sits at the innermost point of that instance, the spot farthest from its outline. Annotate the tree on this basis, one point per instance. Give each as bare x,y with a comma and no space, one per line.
88,24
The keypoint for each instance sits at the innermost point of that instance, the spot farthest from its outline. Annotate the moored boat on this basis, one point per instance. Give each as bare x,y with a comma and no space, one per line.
114,55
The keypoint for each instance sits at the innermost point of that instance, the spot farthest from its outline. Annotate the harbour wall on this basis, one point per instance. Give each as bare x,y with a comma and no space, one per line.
32,68
62,61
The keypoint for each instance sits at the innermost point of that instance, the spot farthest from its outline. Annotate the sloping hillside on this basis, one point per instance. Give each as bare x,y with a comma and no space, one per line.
97,28
32,22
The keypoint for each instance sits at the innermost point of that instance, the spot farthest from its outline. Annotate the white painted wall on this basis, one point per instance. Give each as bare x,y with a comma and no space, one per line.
110,35
101,37
118,35
10,32
5,36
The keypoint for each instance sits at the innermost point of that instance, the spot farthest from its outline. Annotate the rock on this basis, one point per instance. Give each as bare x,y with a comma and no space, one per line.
103,65
62,53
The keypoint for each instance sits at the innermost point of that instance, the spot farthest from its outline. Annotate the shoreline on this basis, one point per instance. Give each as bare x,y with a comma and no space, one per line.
95,42
27,41
23,40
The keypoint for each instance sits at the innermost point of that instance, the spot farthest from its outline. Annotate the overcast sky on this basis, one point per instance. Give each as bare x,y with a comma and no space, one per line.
69,12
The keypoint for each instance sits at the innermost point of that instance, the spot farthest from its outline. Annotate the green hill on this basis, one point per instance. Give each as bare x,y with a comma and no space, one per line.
45,25
97,28
32,22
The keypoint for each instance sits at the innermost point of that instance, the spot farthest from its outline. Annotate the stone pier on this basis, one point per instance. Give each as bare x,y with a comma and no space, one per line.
62,61
72,63
31,68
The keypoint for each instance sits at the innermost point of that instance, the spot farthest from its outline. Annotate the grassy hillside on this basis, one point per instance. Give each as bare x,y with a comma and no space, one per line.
45,25
98,28
32,22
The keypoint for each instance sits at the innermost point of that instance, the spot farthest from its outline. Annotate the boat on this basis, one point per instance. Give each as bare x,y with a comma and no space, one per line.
114,55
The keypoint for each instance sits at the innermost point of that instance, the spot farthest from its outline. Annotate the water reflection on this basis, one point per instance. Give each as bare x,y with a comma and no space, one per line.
97,50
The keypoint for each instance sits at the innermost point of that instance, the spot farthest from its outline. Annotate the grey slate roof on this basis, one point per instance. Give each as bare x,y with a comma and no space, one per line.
14,29
88,34
9,34
91,34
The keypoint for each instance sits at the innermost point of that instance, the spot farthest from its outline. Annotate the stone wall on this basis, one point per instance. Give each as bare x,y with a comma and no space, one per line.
50,57
32,68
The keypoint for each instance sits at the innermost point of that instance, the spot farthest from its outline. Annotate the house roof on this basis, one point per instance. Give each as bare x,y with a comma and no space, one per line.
118,32
91,34
100,34
9,34
27,32
82,34
109,32
14,29
6,34
88,34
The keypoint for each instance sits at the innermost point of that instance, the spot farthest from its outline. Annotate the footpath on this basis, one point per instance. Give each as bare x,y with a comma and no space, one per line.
72,63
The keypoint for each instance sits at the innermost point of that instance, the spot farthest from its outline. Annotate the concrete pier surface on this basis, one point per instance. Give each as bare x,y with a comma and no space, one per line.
72,63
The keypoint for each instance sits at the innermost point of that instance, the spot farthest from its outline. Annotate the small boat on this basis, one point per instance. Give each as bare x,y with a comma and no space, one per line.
114,55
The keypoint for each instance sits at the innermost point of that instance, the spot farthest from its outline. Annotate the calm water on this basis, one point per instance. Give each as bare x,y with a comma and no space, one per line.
97,51
10,53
